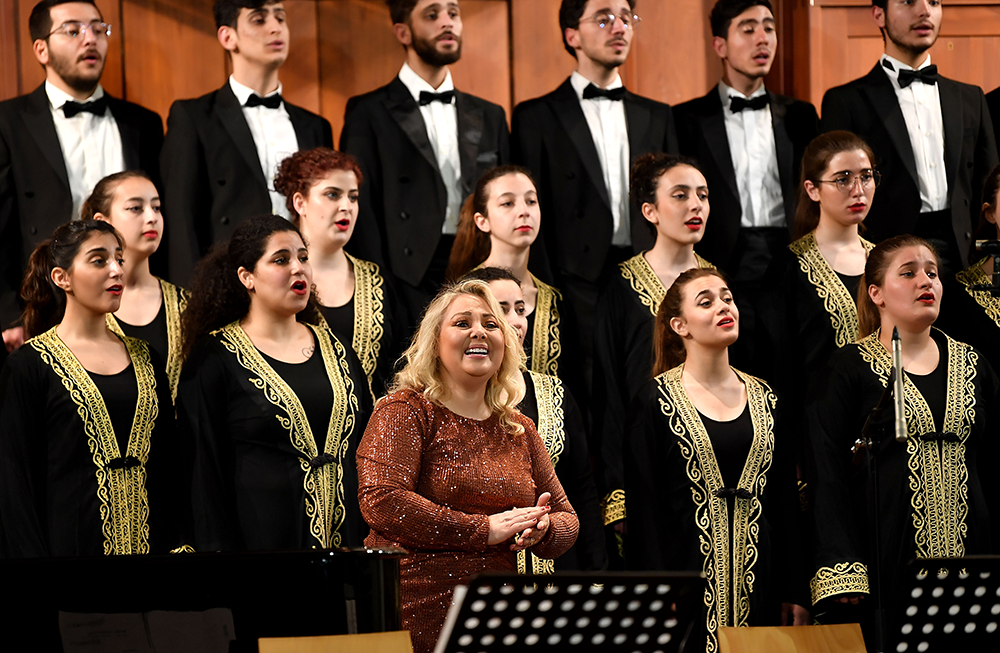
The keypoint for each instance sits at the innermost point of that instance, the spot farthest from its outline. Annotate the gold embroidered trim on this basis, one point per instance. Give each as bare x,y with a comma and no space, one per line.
324,485
842,578
121,492
644,281
729,572
938,474
539,566
613,507
974,276
184,548
837,300
369,314
546,346
549,393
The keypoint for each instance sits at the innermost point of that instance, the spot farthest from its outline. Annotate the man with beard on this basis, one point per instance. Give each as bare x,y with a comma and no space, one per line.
932,136
422,146
222,150
58,141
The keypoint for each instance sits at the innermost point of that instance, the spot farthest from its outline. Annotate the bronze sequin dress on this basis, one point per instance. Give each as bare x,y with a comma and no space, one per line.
428,481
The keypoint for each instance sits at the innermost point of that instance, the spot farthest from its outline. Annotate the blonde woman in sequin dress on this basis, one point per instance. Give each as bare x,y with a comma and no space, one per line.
448,468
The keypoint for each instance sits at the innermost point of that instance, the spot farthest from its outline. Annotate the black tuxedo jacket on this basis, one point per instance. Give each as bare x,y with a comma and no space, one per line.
35,196
212,179
993,103
403,198
551,138
868,107
701,132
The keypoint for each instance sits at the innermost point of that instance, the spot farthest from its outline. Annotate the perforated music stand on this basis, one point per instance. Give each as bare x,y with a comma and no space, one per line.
642,612
950,604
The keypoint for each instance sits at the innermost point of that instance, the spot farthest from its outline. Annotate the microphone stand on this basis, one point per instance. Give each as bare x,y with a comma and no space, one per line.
991,247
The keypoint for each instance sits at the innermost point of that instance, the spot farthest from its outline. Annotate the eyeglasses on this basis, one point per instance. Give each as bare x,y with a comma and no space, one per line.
868,179
608,20
76,29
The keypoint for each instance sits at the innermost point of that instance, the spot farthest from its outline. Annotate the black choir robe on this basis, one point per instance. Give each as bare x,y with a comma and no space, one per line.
69,483
934,492
559,422
260,482
682,515
973,316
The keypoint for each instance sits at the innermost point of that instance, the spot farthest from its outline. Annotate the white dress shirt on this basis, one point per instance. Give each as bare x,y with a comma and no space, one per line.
609,129
274,136
921,106
91,145
755,160
441,122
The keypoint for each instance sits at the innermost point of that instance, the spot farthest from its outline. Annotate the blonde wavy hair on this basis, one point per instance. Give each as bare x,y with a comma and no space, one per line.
422,371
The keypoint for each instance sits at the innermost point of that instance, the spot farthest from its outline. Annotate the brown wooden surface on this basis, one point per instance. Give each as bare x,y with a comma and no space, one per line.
841,638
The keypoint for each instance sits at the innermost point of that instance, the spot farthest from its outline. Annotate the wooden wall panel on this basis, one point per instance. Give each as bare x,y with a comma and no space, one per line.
300,78
9,52
540,62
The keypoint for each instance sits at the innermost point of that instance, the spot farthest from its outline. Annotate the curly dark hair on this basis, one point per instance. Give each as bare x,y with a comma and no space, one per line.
217,296
298,173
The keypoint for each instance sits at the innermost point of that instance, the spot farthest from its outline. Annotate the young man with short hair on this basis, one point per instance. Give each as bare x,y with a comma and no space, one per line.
222,150
58,141
422,146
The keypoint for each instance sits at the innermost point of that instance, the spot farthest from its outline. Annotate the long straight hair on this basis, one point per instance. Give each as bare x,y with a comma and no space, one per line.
876,266
668,347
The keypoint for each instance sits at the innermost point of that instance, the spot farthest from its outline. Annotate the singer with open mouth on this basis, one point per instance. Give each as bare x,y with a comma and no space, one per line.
933,500
275,405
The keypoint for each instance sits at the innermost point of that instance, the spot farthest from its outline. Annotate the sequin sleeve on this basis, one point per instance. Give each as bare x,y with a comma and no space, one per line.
563,523
389,470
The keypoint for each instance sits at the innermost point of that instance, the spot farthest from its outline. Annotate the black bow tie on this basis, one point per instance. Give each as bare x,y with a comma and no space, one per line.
269,102
96,107
928,75
737,104
592,92
426,97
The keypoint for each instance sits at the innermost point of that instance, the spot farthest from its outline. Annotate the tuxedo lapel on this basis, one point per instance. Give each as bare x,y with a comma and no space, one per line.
951,114
713,127
637,121
305,138
405,111
129,132
38,119
882,97
784,152
566,106
470,135
235,123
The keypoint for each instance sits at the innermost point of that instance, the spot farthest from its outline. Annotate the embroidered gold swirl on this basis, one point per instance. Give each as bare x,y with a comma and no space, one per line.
369,314
549,394
539,566
938,475
124,504
613,507
729,573
324,486
974,276
842,578
546,347
837,300
644,281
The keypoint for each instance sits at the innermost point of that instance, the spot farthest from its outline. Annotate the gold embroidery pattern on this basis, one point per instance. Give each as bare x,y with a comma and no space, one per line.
539,566
324,485
938,478
546,347
837,301
369,314
122,492
613,507
644,281
549,393
842,578
729,573
975,276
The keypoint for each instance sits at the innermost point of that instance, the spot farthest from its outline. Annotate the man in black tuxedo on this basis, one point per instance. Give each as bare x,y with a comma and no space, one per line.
222,150
422,146
749,142
58,141
932,136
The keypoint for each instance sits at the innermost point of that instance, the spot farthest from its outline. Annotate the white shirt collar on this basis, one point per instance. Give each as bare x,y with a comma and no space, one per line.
726,91
59,97
898,65
414,83
243,93
579,83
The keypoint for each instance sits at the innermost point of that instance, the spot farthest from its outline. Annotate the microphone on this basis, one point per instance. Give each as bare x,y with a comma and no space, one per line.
897,382
988,246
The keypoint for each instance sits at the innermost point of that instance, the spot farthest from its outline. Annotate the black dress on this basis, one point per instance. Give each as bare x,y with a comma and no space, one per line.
89,464
559,424
372,321
973,316
274,444
164,333
934,496
716,497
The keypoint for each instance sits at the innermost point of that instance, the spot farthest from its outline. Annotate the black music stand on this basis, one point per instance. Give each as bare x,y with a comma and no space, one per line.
643,612
950,604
